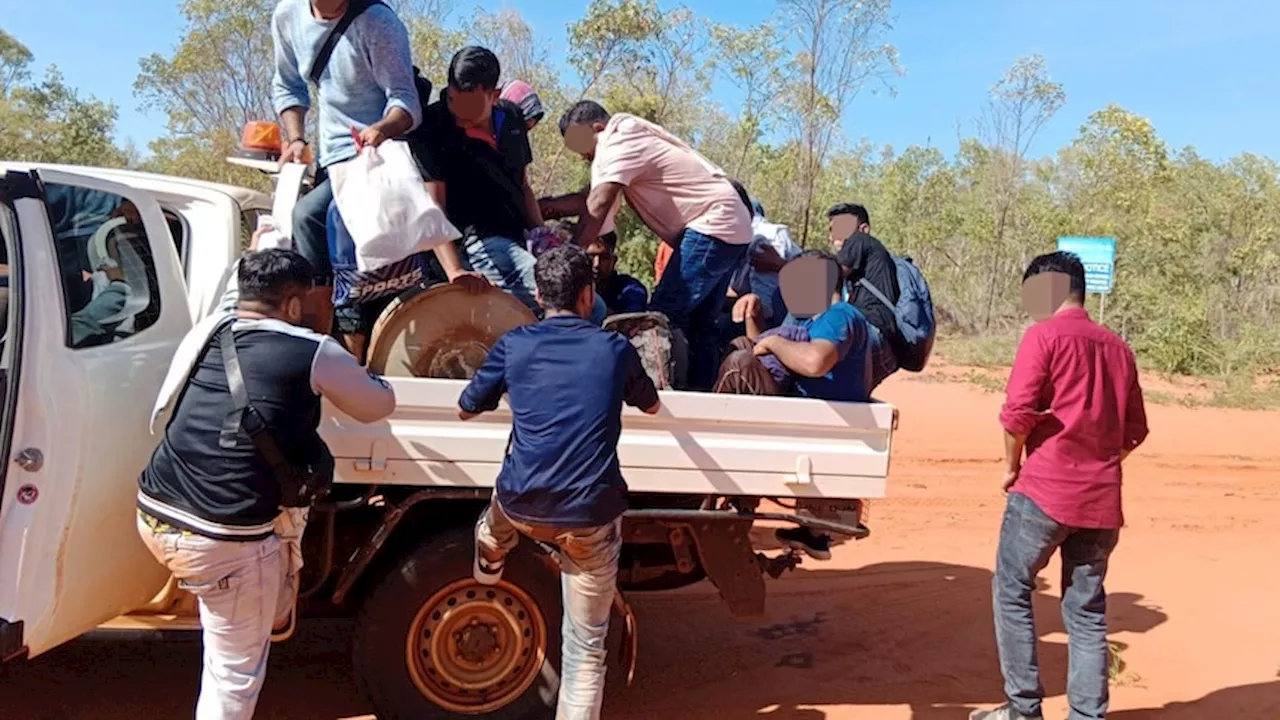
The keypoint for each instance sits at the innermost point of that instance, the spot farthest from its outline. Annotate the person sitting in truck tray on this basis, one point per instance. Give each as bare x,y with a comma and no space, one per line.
822,350
862,256
367,82
209,501
474,153
685,200
560,482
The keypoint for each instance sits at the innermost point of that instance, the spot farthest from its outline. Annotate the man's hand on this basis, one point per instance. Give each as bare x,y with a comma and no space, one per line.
767,260
1010,477
764,346
371,136
112,268
473,282
747,306
293,152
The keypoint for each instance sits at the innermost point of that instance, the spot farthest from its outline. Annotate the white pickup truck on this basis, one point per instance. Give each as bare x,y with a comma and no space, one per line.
78,377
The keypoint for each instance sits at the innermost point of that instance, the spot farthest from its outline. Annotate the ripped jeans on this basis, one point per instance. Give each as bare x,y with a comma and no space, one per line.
588,580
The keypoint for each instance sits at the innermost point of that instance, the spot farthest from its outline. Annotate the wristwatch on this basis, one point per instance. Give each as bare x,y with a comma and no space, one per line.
298,139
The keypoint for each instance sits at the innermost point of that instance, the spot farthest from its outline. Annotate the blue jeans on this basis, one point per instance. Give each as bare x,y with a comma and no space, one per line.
1028,538
691,294
310,229
507,264
588,579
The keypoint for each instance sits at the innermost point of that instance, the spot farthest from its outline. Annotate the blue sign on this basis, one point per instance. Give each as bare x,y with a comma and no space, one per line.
1099,257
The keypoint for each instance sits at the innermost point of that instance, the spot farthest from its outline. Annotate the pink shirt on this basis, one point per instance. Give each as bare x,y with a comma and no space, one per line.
669,185
1074,393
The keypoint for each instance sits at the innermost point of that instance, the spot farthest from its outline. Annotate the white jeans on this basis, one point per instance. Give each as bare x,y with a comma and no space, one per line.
238,586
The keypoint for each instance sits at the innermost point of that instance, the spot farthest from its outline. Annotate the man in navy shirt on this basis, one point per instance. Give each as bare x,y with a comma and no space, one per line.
566,380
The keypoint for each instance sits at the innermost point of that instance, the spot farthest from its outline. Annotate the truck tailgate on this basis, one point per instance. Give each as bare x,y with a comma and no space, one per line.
698,444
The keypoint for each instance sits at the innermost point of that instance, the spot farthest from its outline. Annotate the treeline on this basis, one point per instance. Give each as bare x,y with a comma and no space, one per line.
1198,241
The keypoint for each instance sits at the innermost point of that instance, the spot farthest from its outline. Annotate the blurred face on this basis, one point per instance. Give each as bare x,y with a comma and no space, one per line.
602,259
581,139
471,108
129,212
840,227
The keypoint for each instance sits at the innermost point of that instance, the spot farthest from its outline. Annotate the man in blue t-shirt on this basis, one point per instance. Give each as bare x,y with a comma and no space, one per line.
560,483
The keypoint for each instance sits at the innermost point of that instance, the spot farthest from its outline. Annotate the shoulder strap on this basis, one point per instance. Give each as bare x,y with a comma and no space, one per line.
876,292
242,416
354,9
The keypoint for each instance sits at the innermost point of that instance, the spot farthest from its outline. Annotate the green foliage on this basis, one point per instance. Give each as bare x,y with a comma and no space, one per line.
48,121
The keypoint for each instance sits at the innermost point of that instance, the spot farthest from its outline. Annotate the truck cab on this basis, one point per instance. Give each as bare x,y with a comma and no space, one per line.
104,273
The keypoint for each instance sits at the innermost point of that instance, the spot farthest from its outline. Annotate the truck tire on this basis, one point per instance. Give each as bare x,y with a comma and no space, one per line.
431,643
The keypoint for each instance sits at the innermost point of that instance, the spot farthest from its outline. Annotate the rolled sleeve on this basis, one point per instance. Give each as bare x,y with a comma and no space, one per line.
288,87
392,63
1021,411
488,384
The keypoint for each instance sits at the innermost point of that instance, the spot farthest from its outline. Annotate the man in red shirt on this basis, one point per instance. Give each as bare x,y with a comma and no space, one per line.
1074,405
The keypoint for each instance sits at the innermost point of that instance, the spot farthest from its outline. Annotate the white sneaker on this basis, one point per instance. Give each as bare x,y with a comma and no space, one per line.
487,573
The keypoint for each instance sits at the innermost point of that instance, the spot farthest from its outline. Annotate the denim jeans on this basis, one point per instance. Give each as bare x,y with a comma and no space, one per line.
507,264
238,586
691,294
588,580
310,231
1028,538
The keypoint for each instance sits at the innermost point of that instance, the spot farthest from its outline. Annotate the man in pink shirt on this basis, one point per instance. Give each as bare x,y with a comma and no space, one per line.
1075,406
685,200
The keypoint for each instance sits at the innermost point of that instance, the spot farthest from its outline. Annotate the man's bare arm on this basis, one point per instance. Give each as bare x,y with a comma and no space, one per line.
531,208
397,122
599,201
1013,447
294,120
810,359
563,206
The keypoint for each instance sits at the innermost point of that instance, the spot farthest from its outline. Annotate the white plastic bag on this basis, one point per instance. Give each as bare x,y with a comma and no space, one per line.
385,206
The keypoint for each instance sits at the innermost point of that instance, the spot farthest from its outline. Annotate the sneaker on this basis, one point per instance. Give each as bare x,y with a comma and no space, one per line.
1004,712
487,573
806,541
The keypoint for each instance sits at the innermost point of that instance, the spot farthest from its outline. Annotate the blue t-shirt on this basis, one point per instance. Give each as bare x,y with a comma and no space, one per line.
567,380
850,380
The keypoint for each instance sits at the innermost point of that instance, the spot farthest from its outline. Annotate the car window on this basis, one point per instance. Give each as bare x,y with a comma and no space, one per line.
108,273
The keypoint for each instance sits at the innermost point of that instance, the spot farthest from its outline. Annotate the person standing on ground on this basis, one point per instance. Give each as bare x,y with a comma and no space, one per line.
367,83
566,380
474,154
209,501
685,200
864,257
1074,405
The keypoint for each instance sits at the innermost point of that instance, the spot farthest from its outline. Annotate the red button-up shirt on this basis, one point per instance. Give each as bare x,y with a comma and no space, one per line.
1074,393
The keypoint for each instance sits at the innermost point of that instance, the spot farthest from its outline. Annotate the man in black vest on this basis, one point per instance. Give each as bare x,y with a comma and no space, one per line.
209,502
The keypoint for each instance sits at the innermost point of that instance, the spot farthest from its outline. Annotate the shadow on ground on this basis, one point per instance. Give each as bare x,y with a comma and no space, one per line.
915,634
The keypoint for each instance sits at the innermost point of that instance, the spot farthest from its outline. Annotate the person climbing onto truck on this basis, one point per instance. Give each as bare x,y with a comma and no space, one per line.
365,82
210,500
685,200
474,154
560,483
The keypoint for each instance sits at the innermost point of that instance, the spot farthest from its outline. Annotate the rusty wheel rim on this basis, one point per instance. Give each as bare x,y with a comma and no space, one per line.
473,649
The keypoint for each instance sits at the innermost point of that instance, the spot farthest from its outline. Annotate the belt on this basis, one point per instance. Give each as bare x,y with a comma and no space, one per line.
160,527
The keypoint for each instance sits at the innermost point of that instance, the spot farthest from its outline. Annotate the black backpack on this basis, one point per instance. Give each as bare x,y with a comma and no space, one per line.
354,9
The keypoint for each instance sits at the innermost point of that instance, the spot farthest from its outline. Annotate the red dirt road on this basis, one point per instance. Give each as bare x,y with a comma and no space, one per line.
897,626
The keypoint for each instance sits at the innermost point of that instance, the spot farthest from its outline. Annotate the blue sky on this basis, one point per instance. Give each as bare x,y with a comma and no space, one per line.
1204,73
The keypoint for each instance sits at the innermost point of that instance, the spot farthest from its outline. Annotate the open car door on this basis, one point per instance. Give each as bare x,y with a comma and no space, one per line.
95,311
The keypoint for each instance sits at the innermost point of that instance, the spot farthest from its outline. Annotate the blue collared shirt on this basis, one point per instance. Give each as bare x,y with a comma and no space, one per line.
566,381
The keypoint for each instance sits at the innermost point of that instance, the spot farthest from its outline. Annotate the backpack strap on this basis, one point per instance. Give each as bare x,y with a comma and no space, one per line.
863,282
243,416
354,9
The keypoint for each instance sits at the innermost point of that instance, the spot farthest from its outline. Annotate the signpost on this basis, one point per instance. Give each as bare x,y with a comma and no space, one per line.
1098,254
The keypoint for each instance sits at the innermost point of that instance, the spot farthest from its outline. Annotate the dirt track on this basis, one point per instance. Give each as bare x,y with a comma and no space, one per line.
896,626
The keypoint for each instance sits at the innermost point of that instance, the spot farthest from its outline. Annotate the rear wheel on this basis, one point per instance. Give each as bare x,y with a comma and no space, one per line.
432,643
